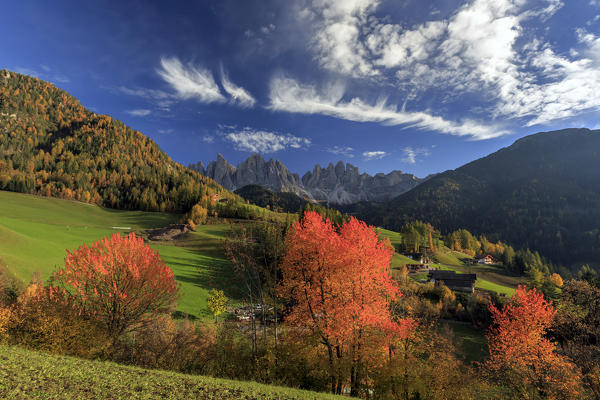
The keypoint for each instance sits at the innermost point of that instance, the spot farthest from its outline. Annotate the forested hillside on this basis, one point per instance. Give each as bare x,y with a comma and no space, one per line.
542,192
51,145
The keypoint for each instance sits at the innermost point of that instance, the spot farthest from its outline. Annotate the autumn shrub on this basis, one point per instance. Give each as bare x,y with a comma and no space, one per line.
10,288
5,318
167,343
120,282
43,321
423,363
233,356
522,357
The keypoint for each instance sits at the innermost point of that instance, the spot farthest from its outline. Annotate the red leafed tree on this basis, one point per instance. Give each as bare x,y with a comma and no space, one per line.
340,285
520,353
119,280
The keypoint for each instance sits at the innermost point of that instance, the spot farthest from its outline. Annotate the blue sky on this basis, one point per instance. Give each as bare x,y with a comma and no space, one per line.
420,86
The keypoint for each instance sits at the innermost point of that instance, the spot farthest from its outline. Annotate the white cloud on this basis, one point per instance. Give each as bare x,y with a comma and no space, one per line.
374,155
411,154
208,139
190,81
141,112
259,141
338,28
485,48
166,131
342,150
238,94
286,94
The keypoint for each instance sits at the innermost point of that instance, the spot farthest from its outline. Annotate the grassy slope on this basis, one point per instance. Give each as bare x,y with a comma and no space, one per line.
36,231
488,277
396,239
26,374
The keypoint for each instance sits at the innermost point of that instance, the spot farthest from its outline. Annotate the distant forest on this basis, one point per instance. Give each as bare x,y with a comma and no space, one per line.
542,193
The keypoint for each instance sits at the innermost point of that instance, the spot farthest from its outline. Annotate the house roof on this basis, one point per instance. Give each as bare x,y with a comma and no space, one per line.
451,276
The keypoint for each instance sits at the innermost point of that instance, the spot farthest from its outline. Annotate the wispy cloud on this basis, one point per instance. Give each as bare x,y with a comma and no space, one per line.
238,94
159,98
150,94
411,154
190,81
286,94
47,74
196,82
267,29
140,112
374,155
342,150
166,131
208,139
260,141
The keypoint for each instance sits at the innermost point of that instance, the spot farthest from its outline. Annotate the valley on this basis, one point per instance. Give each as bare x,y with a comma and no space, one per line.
407,282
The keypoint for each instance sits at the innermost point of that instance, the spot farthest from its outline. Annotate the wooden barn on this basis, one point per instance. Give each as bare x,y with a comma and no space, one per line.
454,281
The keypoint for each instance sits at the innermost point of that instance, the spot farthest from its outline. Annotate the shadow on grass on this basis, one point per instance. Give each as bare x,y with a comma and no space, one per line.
145,220
206,264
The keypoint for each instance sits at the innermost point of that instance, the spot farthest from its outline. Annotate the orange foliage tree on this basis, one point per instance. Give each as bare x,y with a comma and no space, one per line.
120,281
521,356
340,285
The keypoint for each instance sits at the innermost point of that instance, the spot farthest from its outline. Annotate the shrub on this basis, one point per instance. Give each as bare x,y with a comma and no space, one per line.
119,281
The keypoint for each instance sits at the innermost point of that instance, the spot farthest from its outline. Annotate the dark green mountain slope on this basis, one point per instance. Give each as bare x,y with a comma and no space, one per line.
283,201
542,192
52,146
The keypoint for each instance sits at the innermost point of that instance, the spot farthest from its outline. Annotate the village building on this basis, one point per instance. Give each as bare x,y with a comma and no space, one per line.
487,260
419,258
454,281
414,268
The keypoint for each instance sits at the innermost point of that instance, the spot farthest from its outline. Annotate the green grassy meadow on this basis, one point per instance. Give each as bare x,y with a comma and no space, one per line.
489,277
35,233
395,237
26,374
449,257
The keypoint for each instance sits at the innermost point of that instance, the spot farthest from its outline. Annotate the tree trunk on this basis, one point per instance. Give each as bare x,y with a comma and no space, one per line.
331,371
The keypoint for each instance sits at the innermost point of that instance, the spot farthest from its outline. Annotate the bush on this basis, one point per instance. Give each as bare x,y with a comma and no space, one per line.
42,321
118,281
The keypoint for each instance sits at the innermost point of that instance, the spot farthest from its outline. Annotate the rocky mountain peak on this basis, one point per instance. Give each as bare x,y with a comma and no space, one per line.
336,184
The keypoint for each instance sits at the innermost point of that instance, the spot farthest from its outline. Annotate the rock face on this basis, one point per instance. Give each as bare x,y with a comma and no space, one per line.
339,184
344,184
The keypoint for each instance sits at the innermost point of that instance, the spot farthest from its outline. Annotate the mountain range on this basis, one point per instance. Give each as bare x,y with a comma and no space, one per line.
338,184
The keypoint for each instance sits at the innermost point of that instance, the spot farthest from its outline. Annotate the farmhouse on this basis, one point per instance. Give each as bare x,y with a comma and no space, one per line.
487,259
419,258
454,281
414,268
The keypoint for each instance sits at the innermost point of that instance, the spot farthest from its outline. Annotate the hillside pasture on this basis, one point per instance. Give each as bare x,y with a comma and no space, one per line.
35,233
26,374
489,277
